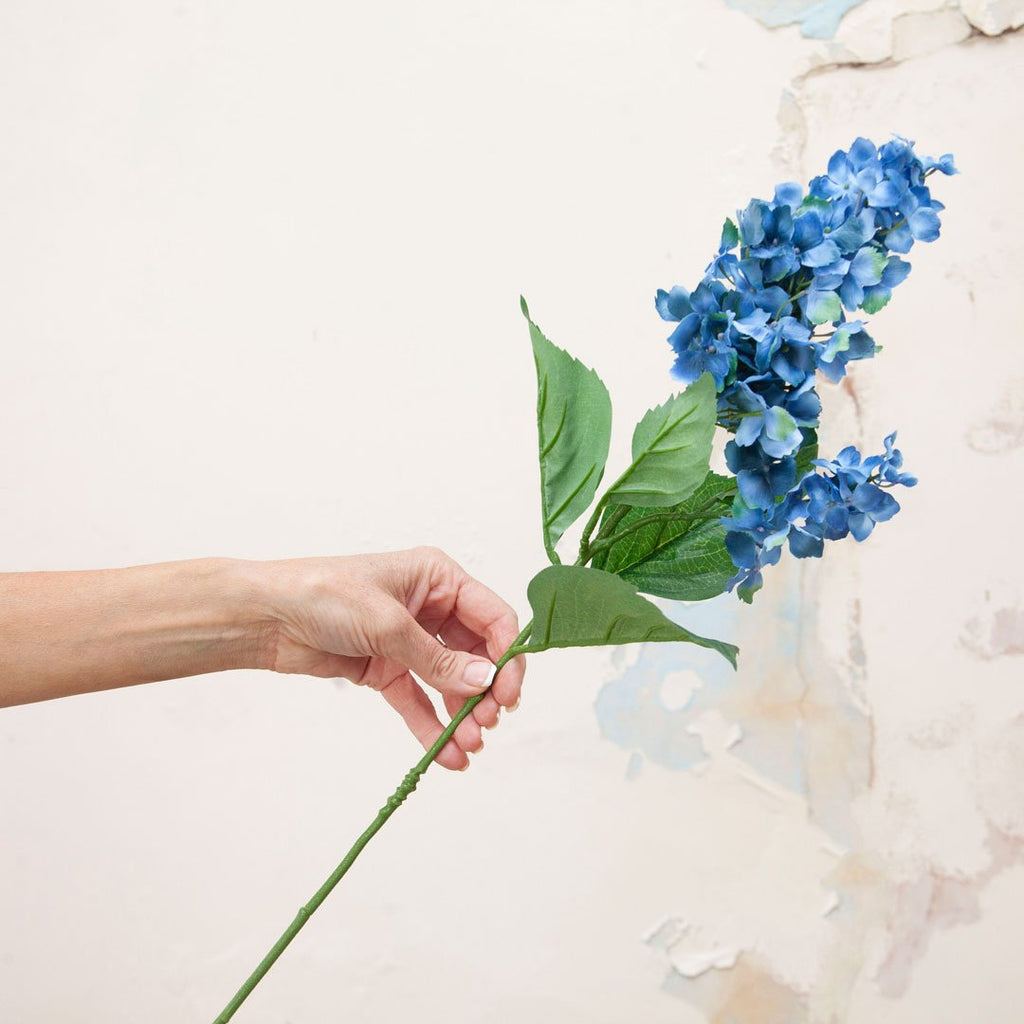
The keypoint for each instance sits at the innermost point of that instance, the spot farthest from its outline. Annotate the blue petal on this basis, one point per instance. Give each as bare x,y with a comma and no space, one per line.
885,194
688,366
867,266
742,549
861,525
753,325
749,430
828,279
895,272
944,164
752,222
754,489
687,330
704,298
851,235
862,346
772,300
924,224
782,447
880,505
807,230
791,329
862,151
900,239
786,365
734,457
780,265
851,293
805,545
823,254
835,523
783,476
804,406
673,305
839,167
789,193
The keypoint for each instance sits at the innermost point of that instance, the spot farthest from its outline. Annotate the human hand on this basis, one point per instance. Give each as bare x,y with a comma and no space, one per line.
375,619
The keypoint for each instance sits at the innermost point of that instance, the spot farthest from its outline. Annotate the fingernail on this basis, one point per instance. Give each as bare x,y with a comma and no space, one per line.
478,673
514,706
494,724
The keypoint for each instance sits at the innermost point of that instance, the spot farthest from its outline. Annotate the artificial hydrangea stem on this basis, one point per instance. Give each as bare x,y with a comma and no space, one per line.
394,801
592,522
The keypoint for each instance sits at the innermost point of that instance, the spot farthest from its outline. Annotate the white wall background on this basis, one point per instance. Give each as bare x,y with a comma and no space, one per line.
260,269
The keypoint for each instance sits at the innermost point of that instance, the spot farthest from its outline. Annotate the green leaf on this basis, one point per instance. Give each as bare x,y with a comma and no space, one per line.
679,557
574,425
578,607
806,452
730,235
671,449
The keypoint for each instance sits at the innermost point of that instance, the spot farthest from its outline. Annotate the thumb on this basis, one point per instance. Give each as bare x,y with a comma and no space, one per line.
452,672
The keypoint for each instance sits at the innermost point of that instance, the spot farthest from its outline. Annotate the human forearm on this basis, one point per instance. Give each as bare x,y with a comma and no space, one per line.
373,618
74,632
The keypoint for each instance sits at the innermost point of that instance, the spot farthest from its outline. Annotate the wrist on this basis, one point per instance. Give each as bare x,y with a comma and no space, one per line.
246,596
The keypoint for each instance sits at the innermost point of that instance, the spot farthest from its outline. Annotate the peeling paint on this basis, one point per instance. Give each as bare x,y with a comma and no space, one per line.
730,983
783,726
998,628
919,33
993,17
650,707
692,952
818,19
875,32
745,994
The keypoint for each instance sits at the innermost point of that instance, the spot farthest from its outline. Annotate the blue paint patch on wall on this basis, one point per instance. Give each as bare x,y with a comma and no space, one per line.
818,19
799,724
631,710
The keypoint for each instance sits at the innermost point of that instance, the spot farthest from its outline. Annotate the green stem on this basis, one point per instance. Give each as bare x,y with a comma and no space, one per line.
608,526
792,299
589,529
393,803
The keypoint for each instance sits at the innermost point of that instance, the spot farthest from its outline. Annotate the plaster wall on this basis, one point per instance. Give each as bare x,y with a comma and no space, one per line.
261,269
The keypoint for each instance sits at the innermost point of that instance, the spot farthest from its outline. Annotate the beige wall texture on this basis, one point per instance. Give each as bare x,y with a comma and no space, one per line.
261,266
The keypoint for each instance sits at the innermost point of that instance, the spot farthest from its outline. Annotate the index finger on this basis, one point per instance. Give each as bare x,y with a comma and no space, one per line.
481,610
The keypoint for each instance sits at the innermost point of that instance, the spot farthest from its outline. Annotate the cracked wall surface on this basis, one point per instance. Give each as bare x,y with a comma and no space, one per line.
262,272
905,777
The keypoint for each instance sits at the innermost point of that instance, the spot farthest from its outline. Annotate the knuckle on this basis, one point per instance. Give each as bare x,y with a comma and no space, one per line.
445,662
430,553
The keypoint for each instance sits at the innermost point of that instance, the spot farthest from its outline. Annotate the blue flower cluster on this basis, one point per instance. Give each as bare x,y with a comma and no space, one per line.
848,497
771,313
